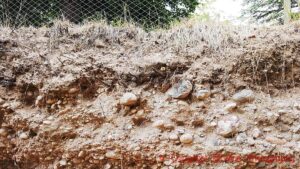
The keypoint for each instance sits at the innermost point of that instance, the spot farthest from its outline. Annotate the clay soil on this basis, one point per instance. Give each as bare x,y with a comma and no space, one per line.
60,91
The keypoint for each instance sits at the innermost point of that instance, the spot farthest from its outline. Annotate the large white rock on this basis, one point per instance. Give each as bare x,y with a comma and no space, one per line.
181,90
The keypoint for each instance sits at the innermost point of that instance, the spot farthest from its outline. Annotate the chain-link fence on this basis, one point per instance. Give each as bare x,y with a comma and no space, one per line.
148,13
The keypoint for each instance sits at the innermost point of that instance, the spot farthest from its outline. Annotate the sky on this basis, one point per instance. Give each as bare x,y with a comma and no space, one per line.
227,9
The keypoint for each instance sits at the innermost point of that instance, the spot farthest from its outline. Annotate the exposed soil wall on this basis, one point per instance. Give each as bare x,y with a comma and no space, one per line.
94,96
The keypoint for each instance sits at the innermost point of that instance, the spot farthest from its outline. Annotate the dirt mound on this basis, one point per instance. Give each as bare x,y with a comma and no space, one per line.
238,91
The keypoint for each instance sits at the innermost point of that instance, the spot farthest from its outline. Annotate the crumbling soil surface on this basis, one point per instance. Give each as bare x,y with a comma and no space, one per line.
95,96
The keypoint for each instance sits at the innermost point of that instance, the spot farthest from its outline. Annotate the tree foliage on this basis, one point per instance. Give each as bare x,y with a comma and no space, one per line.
144,12
266,10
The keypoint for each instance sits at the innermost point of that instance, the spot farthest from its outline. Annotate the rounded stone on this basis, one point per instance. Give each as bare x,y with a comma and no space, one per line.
128,99
181,90
3,132
23,136
244,96
73,90
111,154
63,162
186,138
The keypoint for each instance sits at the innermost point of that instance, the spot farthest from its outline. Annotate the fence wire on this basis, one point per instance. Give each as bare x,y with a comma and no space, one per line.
148,13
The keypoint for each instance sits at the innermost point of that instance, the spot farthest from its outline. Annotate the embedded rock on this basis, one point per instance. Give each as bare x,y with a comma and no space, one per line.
128,99
181,90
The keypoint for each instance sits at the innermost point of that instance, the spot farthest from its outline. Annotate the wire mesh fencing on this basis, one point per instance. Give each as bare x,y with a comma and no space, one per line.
148,13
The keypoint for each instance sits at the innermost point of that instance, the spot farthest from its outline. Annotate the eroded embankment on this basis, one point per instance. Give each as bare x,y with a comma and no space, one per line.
100,97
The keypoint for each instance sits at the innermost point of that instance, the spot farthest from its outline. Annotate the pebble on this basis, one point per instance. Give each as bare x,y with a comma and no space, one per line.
202,94
272,117
186,138
169,126
140,113
228,127
47,122
160,124
38,99
3,132
15,105
81,154
230,107
241,138
111,154
256,133
29,94
181,90
133,111
137,148
23,136
128,99
244,96
50,118
213,124
107,166
73,90
173,136
5,105
63,162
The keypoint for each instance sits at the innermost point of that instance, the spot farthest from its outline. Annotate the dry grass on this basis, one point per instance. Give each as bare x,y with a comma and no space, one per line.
181,38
